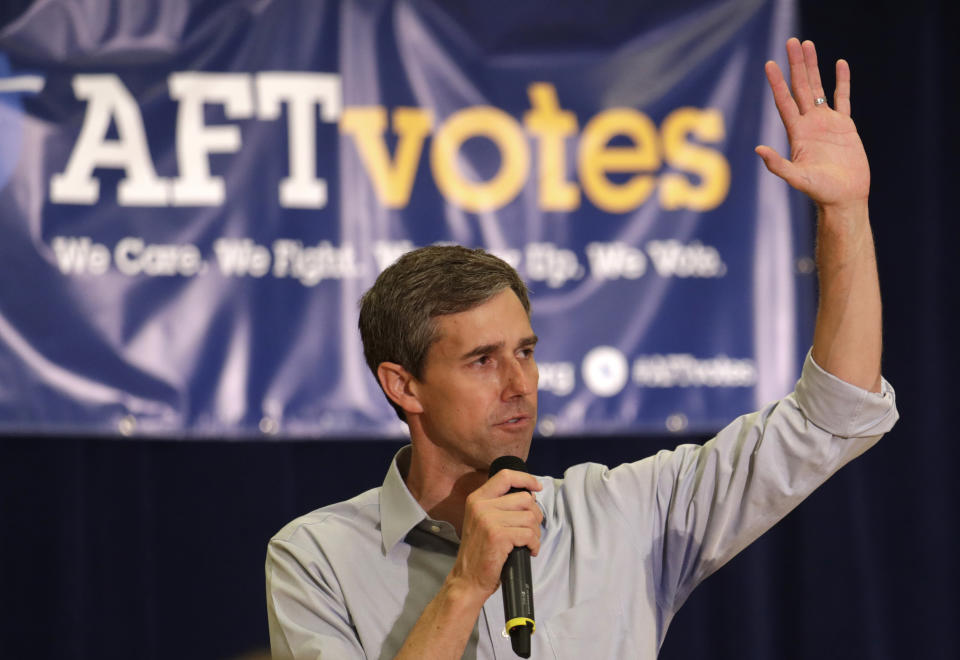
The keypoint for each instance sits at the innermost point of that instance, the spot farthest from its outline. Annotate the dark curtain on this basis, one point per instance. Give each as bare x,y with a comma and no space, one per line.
154,549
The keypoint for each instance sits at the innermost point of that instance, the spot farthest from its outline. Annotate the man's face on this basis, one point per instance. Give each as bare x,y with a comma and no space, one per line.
479,385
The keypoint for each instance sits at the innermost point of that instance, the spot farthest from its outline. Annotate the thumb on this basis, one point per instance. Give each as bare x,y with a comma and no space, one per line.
777,164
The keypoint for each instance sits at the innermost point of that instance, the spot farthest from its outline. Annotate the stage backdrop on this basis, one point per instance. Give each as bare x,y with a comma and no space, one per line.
193,201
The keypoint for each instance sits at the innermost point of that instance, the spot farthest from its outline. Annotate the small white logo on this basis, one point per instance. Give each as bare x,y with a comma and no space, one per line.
605,371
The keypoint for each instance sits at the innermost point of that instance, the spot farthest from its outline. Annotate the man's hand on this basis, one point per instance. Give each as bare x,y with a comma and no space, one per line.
827,162
494,523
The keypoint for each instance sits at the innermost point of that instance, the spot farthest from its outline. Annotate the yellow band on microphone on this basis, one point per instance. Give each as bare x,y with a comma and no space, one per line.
521,621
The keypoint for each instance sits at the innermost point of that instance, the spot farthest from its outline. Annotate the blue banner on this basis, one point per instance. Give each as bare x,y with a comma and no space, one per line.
194,199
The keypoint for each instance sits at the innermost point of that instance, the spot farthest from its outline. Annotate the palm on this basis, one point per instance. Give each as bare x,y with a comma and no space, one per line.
827,162
830,162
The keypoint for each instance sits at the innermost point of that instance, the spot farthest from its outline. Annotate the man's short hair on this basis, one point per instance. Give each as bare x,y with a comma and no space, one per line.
397,313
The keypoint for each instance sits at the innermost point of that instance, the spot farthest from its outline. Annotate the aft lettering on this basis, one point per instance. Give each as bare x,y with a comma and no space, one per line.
620,160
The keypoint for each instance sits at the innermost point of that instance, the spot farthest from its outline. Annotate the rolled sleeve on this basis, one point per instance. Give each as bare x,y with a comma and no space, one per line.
842,409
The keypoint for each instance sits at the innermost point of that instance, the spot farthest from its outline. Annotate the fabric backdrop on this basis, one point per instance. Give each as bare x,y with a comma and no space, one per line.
203,214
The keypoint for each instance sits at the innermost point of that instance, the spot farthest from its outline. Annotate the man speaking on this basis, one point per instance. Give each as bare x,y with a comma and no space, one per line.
412,569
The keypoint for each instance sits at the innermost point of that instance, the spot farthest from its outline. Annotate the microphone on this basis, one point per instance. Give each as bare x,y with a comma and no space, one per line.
516,581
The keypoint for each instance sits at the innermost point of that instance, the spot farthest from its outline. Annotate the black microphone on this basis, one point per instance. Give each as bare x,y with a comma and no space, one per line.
516,581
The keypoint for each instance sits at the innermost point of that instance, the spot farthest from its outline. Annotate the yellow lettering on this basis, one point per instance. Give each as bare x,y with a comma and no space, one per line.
504,131
709,165
596,159
700,180
392,181
552,125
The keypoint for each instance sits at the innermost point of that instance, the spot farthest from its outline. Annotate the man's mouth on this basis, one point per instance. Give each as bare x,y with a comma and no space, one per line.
513,421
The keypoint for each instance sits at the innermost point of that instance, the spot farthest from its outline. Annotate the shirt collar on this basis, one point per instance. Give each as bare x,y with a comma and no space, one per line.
399,511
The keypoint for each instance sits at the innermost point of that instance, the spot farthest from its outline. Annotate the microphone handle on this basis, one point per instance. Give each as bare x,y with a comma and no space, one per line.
516,582
517,585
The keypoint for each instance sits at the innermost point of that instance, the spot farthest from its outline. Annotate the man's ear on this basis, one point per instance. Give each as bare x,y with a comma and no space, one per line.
396,383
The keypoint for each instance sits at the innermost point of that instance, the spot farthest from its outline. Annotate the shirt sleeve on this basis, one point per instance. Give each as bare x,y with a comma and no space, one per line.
305,607
697,506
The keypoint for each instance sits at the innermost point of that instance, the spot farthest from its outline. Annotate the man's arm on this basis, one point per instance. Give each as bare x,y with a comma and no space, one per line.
715,499
829,164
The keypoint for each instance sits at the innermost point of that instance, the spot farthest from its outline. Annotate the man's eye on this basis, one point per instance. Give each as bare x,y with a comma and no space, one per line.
482,360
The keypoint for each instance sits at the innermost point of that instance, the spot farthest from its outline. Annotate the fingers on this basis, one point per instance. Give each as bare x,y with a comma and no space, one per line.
799,82
521,528
525,538
501,483
518,502
509,525
493,509
841,95
813,69
805,81
781,94
511,510
491,499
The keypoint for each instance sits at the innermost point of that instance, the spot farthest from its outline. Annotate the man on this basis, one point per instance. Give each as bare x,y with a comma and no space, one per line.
410,570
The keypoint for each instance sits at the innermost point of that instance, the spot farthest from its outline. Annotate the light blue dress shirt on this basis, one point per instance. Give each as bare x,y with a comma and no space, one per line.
620,550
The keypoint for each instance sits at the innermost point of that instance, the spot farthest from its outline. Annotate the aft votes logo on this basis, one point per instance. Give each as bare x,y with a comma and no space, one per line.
618,160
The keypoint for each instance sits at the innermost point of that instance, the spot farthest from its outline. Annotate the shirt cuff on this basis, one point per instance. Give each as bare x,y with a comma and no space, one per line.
843,409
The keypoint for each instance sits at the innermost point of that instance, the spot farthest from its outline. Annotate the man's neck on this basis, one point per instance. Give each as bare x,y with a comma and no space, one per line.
441,486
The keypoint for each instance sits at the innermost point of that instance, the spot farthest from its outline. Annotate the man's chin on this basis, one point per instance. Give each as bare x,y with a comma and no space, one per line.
513,441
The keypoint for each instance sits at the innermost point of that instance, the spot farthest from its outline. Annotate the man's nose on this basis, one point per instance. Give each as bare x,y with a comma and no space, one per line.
518,379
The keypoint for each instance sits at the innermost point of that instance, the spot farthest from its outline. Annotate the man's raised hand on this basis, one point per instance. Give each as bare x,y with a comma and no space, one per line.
827,159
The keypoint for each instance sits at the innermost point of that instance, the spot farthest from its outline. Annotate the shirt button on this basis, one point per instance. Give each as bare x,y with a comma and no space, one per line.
434,528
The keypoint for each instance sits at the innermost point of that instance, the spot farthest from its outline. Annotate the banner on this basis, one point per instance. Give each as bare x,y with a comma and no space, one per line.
193,199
